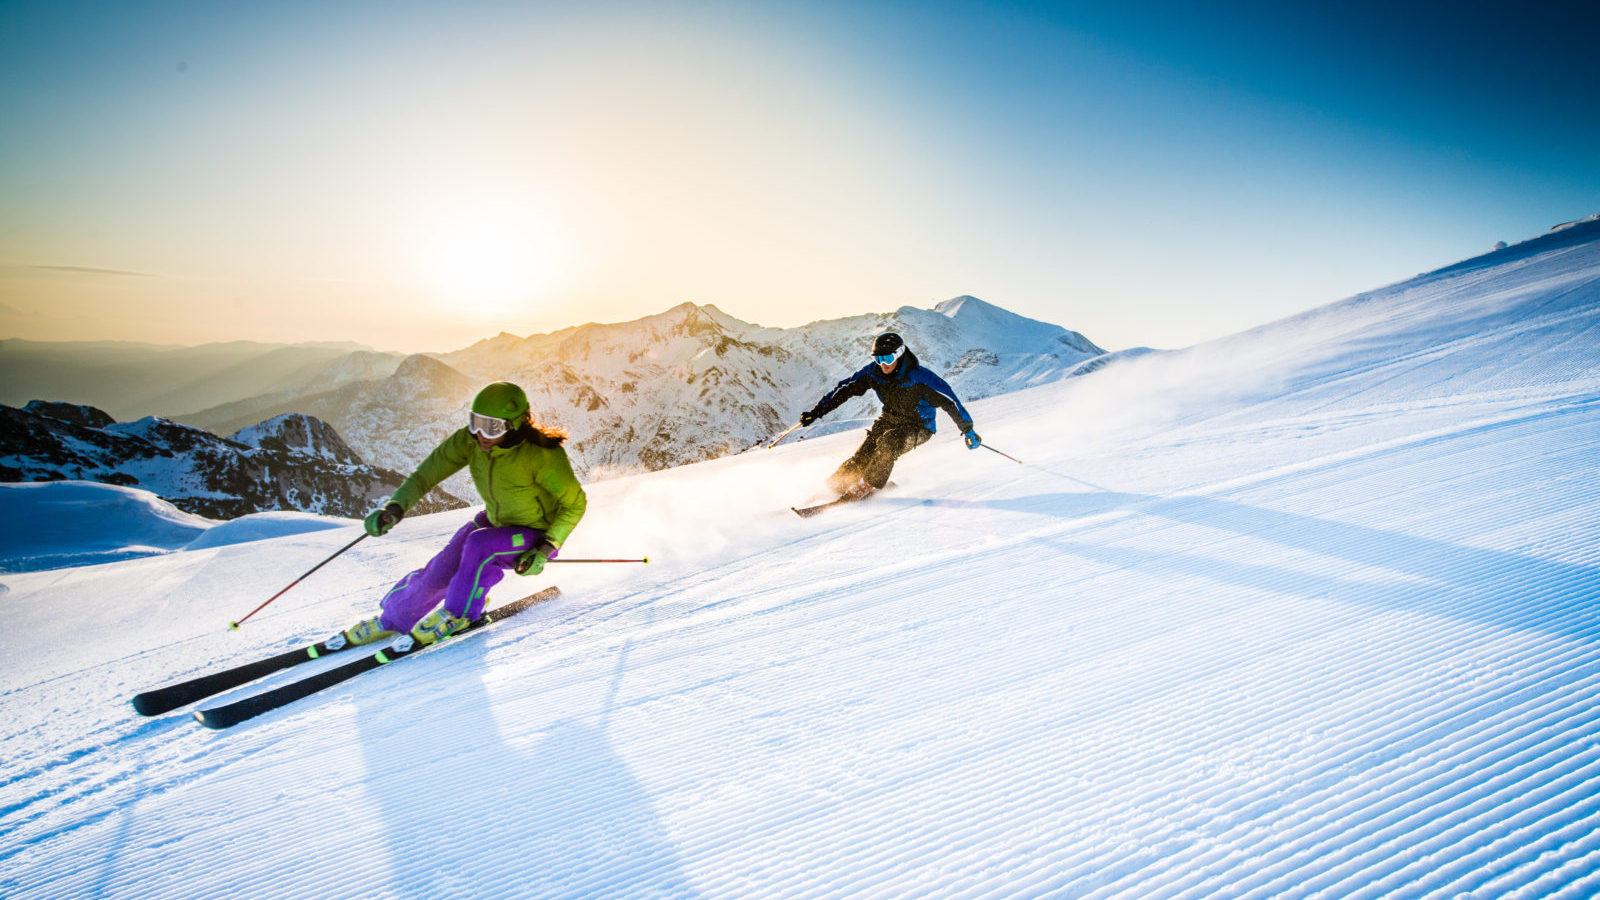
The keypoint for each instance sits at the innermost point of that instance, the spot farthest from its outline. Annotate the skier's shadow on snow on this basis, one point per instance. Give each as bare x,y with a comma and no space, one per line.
466,814
1493,586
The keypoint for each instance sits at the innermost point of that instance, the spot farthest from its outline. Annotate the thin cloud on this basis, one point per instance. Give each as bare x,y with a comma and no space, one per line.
90,270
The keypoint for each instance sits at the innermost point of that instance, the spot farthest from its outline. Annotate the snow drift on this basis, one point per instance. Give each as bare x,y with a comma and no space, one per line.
55,524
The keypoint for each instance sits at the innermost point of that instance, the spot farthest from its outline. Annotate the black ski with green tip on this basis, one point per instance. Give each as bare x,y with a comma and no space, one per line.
230,714
169,698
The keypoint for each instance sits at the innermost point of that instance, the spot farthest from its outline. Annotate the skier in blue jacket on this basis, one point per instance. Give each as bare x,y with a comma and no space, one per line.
909,394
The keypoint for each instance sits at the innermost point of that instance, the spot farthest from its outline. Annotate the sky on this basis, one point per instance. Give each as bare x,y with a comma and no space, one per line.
417,176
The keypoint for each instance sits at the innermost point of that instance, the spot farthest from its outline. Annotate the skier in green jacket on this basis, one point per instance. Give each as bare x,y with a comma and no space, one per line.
532,502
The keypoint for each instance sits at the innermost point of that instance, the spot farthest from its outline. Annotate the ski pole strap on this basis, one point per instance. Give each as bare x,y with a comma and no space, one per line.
234,626
1006,455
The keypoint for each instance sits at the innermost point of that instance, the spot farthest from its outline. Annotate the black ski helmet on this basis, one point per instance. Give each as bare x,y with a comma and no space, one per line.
888,342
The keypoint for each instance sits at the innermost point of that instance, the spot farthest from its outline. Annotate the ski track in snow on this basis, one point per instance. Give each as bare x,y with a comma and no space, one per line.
1309,614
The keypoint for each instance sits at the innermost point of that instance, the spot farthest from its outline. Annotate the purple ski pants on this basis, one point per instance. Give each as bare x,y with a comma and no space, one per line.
461,574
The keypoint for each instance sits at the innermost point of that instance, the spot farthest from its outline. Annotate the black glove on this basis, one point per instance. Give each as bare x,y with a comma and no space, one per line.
807,417
379,521
531,562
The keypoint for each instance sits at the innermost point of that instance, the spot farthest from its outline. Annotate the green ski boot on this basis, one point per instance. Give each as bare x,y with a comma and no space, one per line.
438,625
366,632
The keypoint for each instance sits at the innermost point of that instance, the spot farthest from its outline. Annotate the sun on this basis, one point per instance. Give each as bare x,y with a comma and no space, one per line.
488,259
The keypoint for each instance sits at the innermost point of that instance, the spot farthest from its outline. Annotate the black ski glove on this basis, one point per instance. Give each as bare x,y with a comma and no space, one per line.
807,417
379,521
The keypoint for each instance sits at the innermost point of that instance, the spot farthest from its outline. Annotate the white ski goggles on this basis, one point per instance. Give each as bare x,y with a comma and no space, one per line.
885,359
488,426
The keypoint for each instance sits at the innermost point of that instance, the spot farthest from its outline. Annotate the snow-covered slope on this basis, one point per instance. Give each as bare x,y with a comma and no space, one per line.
1310,611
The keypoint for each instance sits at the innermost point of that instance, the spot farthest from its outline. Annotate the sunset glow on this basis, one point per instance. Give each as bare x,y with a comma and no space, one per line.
490,260
415,176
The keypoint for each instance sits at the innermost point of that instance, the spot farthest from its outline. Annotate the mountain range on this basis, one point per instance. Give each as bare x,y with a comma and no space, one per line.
688,384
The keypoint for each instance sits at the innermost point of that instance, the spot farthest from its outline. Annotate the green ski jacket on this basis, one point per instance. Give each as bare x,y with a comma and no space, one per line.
523,484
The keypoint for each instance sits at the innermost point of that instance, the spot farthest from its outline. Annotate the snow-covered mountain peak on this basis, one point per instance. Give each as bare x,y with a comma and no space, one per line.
683,319
977,315
966,304
158,431
724,319
975,328
298,433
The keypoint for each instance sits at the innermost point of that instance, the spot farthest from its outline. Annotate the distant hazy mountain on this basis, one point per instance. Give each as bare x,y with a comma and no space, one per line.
290,463
688,384
395,420
131,380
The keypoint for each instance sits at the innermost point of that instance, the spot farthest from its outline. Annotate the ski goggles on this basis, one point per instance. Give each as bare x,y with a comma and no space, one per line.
488,426
885,359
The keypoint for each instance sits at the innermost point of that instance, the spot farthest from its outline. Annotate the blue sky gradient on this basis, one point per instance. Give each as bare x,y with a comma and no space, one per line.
415,176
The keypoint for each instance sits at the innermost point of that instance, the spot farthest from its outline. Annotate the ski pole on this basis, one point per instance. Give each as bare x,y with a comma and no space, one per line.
234,626
559,560
1006,455
779,438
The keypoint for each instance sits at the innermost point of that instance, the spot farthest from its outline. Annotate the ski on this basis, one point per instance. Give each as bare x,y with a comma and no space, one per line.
169,698
806,512
230,714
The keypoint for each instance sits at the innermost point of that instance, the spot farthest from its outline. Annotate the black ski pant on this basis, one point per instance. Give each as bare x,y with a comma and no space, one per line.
885,442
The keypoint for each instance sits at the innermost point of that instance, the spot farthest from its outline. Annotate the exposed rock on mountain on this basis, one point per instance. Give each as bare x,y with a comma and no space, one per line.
298,433
289,463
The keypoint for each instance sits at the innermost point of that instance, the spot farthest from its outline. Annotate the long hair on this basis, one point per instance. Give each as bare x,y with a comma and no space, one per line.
541,434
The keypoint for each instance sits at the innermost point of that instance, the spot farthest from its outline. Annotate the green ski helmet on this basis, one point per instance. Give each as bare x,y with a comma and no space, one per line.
498,408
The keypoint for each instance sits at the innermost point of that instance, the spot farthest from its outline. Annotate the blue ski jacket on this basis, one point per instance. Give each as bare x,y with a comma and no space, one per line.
909,395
